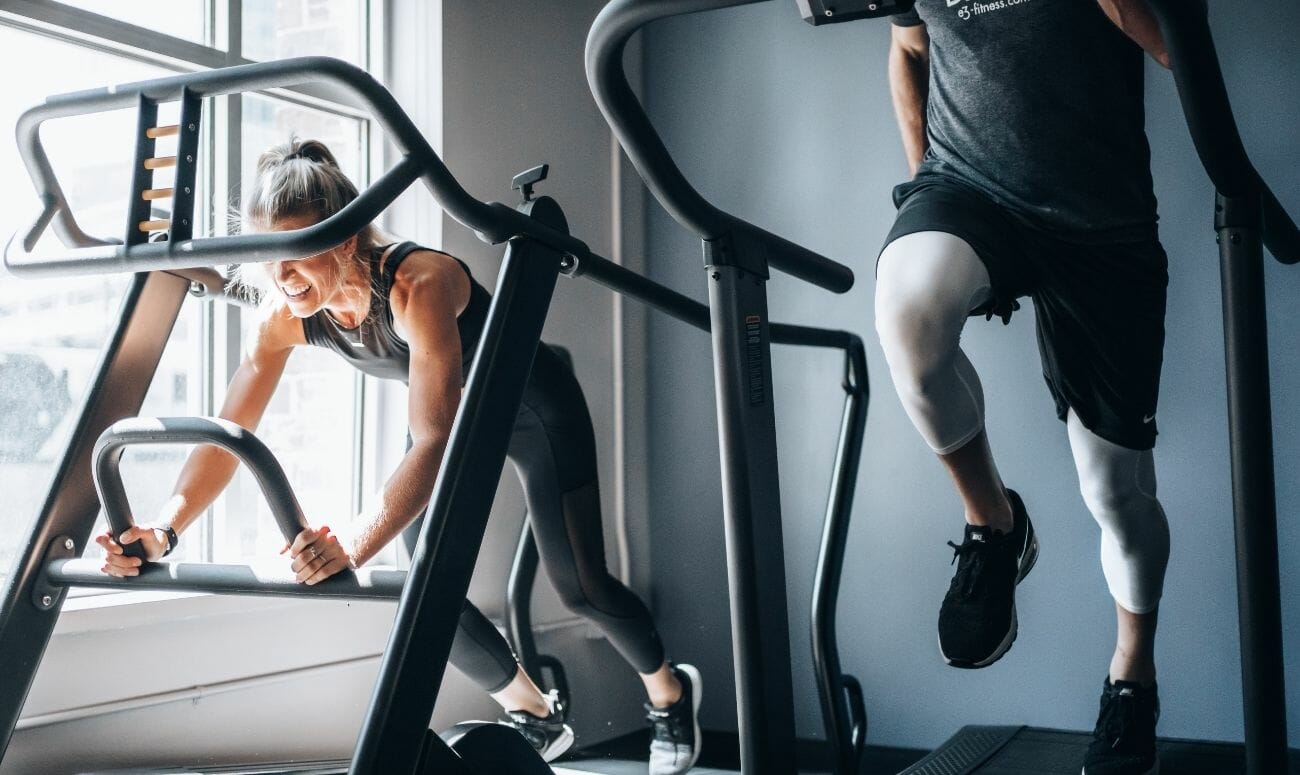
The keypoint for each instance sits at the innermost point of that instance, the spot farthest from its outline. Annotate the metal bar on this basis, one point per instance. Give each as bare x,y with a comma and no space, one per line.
270,580
621,280
845,733
260,76
1195,65
131,356
187,154
416,657
751,503
519,599
1250,425
845,721
239,249
606,42
192,430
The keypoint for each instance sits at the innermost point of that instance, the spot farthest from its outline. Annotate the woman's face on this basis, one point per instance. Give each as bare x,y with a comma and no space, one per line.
309,284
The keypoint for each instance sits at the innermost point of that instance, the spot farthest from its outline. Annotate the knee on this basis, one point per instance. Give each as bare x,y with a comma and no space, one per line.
1127,514
918,343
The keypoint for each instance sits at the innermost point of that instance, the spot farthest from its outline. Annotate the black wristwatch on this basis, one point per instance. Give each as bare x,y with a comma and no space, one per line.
172,539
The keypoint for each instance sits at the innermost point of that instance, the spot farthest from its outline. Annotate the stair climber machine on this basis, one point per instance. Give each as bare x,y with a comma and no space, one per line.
168,262
1248,217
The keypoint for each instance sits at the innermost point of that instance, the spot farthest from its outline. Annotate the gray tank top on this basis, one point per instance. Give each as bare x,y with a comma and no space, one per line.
374,346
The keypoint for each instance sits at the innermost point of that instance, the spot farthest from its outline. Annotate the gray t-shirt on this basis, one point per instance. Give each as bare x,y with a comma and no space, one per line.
1039,103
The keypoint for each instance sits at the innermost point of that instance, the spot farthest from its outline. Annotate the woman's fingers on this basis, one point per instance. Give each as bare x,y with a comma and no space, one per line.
334,565
304,539
109,545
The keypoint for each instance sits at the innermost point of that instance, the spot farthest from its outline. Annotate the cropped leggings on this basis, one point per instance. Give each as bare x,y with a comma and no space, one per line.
554,452
927,285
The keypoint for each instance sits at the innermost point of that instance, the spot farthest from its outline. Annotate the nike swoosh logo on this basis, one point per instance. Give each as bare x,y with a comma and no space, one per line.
951,3
1148,418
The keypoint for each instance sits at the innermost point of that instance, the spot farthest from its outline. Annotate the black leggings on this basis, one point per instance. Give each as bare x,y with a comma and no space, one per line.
554,452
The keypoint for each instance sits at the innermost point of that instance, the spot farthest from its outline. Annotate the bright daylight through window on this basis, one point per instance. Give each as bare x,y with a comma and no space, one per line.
52,330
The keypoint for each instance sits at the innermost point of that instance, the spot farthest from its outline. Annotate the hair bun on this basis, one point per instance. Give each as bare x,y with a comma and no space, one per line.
312,150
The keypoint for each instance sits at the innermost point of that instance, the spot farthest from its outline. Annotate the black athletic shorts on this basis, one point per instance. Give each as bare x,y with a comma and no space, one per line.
1100,308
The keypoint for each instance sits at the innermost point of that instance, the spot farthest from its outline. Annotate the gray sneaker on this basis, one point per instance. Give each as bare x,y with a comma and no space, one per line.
676,744
550,736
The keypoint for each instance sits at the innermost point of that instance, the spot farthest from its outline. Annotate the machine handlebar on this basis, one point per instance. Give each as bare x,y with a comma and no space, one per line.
605,72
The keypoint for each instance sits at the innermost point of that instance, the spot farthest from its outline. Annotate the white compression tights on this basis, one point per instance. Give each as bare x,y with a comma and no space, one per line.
926,285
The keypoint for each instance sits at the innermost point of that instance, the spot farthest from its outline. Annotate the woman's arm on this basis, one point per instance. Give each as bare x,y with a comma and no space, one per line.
427,294
209,469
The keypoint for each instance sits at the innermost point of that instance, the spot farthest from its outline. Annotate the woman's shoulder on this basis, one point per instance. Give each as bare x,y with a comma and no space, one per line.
428,272
274,327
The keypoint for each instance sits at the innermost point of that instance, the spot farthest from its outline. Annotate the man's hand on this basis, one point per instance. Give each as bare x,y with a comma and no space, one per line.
118,563
317,555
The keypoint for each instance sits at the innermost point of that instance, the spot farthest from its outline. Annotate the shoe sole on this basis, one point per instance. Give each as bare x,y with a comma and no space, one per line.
1155,769
697,693
558,748
1027,562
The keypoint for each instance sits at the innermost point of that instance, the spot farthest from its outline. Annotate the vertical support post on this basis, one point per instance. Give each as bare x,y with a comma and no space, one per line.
843,710
1250,422
443,561
751,501
519,593
187,155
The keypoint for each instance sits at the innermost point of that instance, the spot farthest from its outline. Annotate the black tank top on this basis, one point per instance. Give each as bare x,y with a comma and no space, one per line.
374,347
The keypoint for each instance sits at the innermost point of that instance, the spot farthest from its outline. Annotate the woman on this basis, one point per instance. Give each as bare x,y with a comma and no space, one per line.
399,311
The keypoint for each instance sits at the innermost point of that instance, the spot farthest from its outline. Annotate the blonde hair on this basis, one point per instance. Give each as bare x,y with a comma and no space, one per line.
297,179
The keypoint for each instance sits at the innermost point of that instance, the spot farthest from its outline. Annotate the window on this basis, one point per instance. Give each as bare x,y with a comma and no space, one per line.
52,331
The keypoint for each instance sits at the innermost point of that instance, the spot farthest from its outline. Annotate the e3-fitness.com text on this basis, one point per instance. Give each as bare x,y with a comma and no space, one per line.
977,8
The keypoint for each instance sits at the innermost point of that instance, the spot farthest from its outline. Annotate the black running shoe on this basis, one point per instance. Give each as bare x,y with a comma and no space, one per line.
977,621
1124,741
676,744
550,736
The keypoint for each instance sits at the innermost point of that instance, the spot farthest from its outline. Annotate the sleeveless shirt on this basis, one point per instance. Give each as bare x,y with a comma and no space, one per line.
374,346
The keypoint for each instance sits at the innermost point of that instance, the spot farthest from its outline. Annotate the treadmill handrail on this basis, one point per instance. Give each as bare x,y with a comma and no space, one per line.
606,42
86,254
1195,65
191,430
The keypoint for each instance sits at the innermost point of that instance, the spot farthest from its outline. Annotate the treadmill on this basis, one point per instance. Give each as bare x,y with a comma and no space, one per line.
168,262
1248,218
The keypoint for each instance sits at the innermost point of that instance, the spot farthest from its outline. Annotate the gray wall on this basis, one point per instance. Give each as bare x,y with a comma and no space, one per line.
791,128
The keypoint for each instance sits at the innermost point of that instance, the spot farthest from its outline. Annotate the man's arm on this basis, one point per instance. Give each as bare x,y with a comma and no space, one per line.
1136,20
909,85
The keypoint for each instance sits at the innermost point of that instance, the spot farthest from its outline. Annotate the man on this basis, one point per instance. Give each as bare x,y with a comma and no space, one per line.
1023,124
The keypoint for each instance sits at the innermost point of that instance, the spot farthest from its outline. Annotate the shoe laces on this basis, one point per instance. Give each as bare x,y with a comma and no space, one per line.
970,571
1120,718
667,725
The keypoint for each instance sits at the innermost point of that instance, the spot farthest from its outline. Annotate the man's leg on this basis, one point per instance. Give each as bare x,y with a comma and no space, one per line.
1119,488
927,284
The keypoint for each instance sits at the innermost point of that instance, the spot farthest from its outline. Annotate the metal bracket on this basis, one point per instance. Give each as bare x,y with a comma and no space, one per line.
46,596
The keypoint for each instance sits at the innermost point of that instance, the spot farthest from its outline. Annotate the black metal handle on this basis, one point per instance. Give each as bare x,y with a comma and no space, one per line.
857,719
604,56
189,430
1195,65
91,255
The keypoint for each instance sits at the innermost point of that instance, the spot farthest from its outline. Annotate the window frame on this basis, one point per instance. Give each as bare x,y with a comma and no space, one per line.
218,325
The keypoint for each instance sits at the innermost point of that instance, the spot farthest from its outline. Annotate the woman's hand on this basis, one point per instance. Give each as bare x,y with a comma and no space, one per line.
118,563
317,555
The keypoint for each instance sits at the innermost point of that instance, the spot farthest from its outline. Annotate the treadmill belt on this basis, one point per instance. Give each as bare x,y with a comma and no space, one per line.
1034,751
